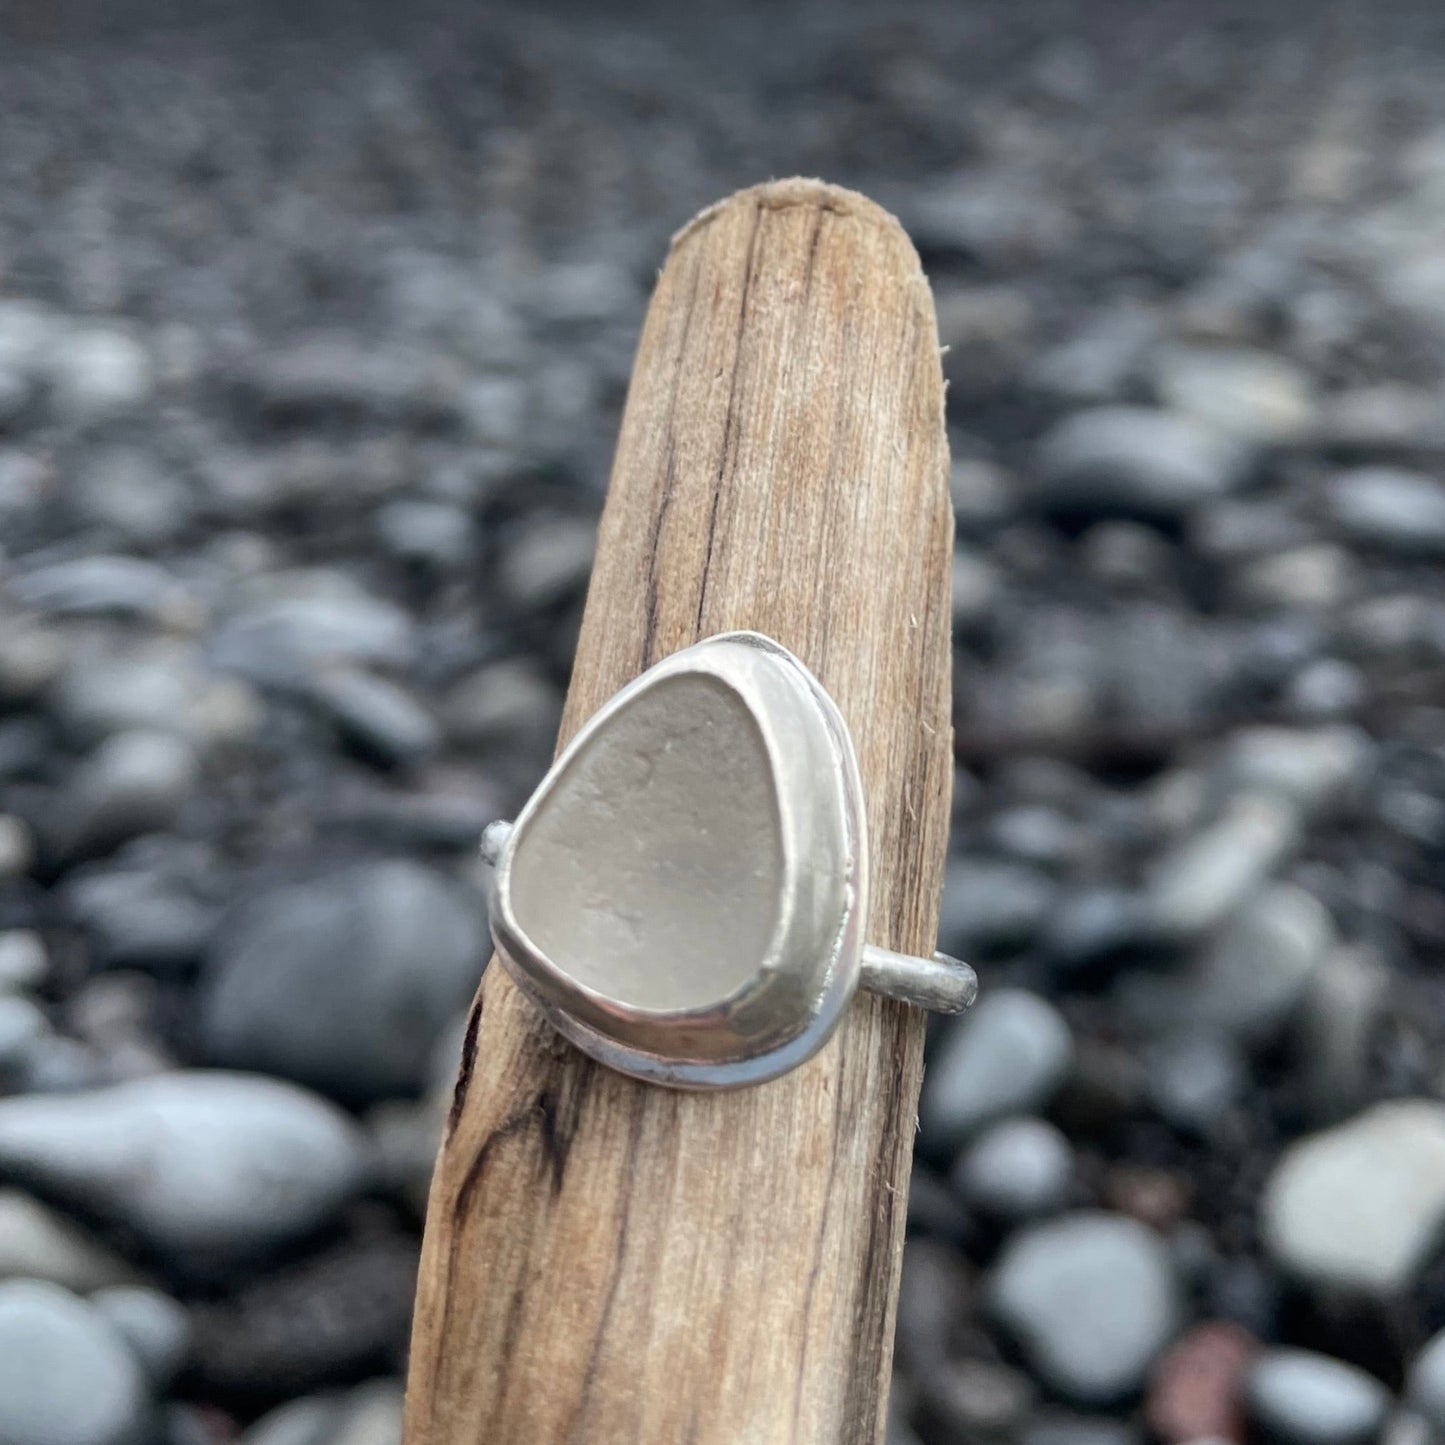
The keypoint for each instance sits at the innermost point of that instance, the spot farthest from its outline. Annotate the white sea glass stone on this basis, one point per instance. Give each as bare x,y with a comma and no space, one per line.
683,895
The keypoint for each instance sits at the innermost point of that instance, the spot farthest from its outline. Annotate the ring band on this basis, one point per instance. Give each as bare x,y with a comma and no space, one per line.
684,894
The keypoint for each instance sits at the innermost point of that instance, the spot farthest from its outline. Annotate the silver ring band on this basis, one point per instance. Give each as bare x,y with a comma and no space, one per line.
683,896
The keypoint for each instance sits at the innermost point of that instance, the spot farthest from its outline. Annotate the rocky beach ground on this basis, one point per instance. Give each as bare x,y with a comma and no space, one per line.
314,333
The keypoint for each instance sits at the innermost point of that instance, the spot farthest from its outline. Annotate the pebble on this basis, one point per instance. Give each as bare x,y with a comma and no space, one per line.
66,1377
1193,1077
135,782
136,916
1203,880
306,621
1397,511
934,1295
1313,768
24,963
1361,1206
129,494
1015,1170
1249,394
1248,980
1341,1014
504,704
1425,1381
548,563
17,848
1136,462
1303,1398
1196,1391
38,1243
966,1399
369,1414
384,722
207,1168
346,981
1060,1429
1091,1299
1316,577
990,904
157,1329
1007,1056
98,372
106,586
427,534
22,1023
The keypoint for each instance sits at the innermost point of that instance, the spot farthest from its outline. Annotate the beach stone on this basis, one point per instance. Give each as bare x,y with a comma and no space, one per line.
38,1243
1395,510
1016,1169
1196,1391
1136,462
345,981
155,1326
24,962
1249,394
1361,1206
208,1168
1249,979
1204,879
383,722
1007,1056
66,1377
1425,1381
1303,1398
1091,1300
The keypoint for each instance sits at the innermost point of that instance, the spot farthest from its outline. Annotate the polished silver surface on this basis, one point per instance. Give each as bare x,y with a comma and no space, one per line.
684,894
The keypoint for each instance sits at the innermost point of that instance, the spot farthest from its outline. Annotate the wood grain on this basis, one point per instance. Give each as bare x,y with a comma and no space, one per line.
609,1262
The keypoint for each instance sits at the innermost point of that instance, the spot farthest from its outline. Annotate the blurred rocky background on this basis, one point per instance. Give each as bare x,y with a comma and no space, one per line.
314,330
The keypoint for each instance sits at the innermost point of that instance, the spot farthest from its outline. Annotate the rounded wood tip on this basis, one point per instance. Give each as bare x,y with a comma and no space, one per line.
803,191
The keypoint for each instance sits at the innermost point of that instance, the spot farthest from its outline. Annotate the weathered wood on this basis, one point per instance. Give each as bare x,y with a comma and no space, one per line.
608,1262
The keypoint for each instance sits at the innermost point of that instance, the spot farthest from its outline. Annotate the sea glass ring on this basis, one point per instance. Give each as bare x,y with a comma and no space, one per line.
684,895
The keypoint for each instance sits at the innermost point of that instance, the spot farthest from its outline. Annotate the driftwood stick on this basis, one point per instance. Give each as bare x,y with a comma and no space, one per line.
611,1262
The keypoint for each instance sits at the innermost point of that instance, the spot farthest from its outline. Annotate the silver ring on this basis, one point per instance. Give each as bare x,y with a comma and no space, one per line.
685,893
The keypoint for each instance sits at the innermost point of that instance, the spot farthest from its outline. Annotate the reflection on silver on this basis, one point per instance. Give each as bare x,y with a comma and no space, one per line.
684,895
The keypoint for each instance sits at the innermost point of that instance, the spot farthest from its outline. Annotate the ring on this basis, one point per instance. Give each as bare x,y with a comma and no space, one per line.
685,893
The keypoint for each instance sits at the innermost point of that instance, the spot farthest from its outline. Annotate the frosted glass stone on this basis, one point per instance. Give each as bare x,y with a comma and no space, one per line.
651,868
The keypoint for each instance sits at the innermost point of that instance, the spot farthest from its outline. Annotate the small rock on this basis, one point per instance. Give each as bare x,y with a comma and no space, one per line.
1008,1056
1311,767
975,585
1126,554
66,1377
972,1400
1091,1300
1059,1429
21,1024
17,849
126,492
505,703
1342,1009
370,1414
1326,688
1197,1389
1204,879
305,621
24,963
382,721
140,917
1361,1206
428,534
207,1168
1243,393
157,1329
37,1243
1136,462
345,982
1397,511
990,904
104,586
98,372
548,563
134,782
1425,1381
1302,1398
1193,1077
1157,1197
1317,577
1016,1169
1248,980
